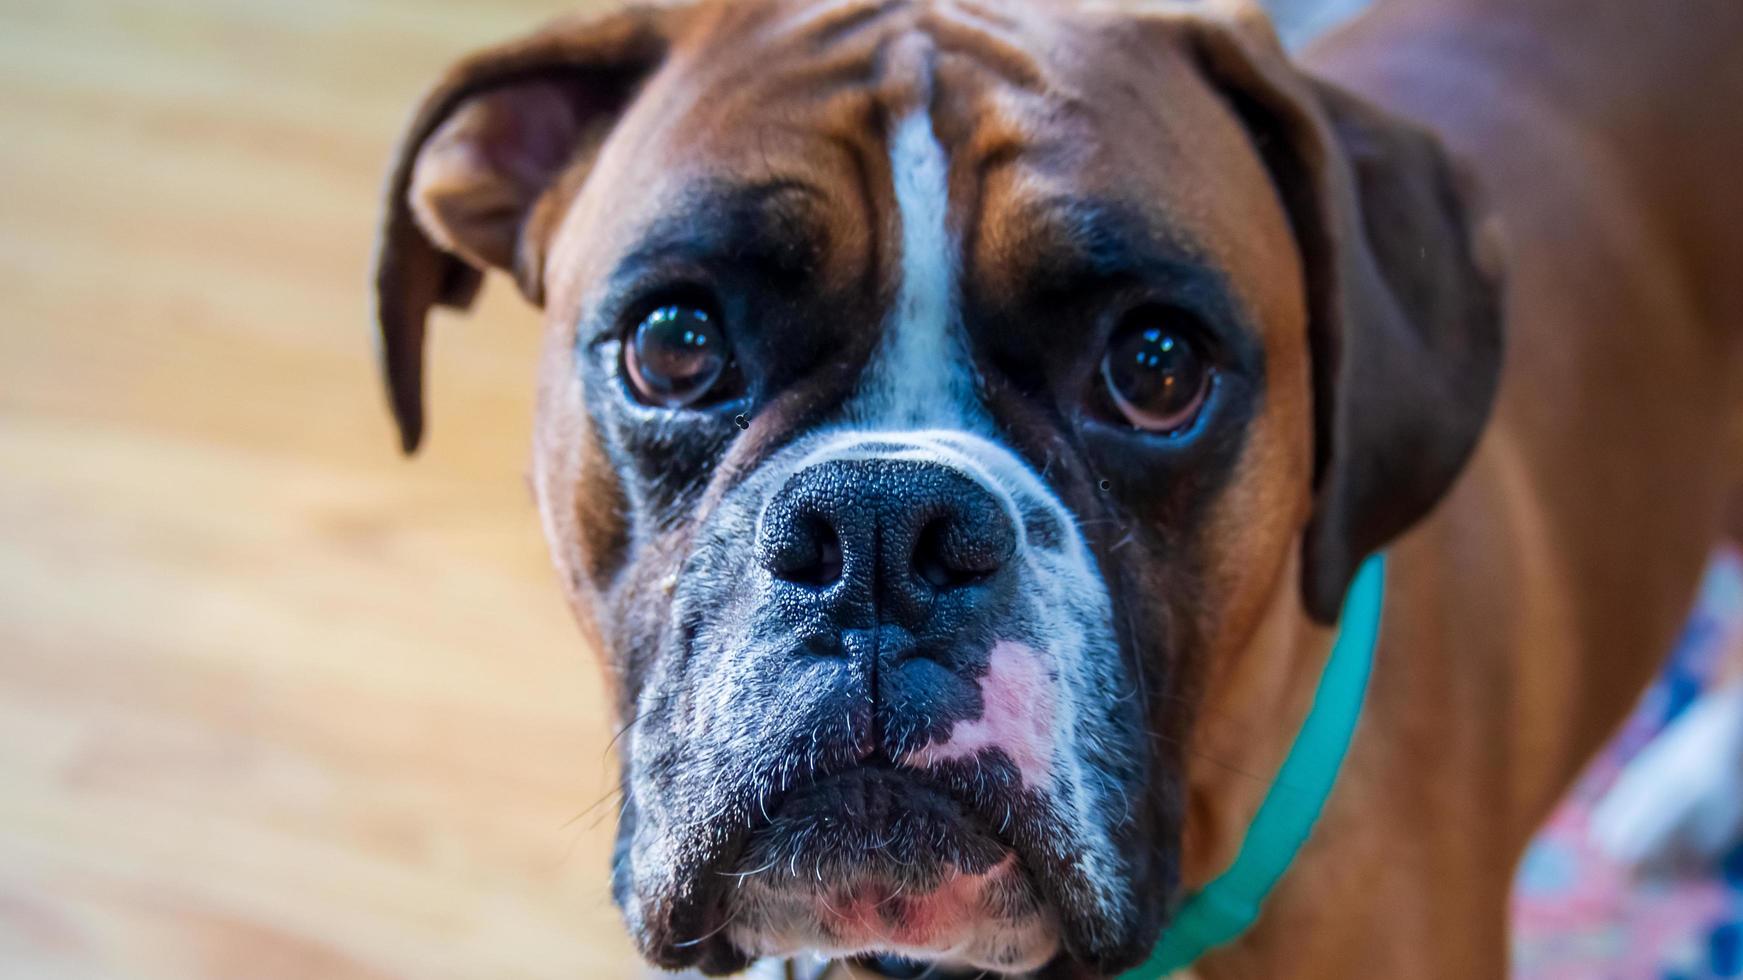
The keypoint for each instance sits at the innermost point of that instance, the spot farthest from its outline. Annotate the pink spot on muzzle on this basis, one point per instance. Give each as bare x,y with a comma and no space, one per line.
1019,709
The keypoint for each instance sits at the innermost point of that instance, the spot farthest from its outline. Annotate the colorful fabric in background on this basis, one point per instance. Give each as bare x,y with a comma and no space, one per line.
1576,914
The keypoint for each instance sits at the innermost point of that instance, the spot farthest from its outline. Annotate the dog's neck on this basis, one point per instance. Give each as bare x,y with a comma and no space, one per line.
1256,690
1227,907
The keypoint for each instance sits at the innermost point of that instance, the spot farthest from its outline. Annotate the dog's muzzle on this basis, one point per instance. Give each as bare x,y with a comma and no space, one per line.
885,727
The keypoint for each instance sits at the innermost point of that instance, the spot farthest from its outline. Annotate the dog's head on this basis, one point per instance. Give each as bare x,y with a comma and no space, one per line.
945,405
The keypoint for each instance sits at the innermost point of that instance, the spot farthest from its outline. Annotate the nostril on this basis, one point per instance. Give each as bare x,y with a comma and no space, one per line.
809,554
951,552
929,561
828,556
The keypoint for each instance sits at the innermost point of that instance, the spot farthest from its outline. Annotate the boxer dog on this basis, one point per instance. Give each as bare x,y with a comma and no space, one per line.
960,421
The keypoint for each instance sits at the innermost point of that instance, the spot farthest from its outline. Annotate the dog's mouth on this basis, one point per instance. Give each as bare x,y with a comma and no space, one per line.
878,861
870,820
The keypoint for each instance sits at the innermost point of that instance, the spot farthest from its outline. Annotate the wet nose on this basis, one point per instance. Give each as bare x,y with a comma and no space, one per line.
895,533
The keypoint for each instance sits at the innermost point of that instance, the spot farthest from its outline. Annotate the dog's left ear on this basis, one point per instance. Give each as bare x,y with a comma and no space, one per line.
1403,294
471,186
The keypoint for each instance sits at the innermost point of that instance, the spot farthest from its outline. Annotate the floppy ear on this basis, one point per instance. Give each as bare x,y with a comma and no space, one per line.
1404,299
471,183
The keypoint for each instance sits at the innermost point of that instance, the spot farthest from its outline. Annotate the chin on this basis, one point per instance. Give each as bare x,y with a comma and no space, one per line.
875,864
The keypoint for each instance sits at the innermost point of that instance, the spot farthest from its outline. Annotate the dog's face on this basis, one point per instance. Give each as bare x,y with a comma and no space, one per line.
938,409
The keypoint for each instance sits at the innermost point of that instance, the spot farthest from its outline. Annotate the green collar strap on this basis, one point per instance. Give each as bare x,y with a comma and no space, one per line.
1228,906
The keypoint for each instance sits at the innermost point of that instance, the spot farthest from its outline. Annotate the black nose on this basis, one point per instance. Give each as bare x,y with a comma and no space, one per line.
895,532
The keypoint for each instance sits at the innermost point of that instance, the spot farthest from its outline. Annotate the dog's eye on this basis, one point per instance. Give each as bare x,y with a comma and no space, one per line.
1155,373
676,355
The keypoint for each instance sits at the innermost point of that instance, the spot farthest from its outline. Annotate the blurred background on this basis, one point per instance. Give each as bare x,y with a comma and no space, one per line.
275,702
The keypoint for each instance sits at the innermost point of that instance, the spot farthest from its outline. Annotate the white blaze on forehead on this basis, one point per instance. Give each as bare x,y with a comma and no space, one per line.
920,374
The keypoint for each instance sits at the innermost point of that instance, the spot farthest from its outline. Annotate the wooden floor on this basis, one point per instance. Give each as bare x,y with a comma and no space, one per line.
273,702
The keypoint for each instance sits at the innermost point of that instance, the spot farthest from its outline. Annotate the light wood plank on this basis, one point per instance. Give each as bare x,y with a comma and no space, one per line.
273,702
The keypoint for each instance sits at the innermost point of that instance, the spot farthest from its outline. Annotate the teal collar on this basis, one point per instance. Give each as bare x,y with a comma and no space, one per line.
1227,907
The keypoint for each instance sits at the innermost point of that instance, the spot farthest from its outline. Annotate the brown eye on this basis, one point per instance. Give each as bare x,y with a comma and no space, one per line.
1155,374
676,355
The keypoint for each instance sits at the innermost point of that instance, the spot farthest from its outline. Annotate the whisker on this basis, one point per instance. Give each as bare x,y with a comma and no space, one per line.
601,817
660,703
717,930
1196,754
893,895
742,875
596,804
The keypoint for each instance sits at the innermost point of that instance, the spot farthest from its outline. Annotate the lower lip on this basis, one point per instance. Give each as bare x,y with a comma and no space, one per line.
871,914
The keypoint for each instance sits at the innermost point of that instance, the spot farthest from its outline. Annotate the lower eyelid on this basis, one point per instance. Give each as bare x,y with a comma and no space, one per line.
1112,418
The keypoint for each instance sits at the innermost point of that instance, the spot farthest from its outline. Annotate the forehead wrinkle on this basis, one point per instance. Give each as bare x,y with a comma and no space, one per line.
863,171
1074,239
993,42
822,24
770,222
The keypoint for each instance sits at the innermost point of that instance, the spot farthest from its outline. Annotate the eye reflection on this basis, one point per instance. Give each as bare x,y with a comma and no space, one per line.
1154,374
676,355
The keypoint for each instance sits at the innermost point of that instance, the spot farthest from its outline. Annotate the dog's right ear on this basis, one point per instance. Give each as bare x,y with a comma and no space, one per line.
1403,290
483,152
